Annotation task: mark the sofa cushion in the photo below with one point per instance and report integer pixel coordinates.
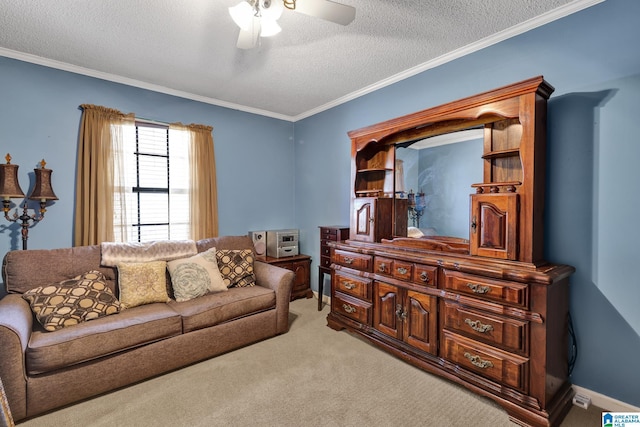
(113, 253)
(196, 276)
(213, 309)
(48, 351)
(225, 242)
(236, 267)
(53, 266)
(142, 283)
(85, 297)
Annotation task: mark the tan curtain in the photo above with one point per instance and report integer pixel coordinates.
(203, 196)
(99, 174)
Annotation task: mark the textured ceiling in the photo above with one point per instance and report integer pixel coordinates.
(188, 48)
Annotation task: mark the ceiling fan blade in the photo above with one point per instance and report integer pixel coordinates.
(327, 10)
(247, 39)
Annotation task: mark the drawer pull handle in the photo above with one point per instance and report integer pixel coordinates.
(477, 326)
(348, 260)
(424, 276)
(349, 309)
(400, 312)
(478, 289)
(350, 286)
(402, 270)
(382, 267)
(477, 361)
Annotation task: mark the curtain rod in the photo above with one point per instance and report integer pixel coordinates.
(151, 122)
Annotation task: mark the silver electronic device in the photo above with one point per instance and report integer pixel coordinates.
(282, 243)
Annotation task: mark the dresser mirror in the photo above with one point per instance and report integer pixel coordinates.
(433, 182)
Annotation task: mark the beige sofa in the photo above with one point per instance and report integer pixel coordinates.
(44, 370)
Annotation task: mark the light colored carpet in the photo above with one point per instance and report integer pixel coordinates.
(311, 376)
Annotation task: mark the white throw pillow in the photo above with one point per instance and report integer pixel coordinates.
(196, 276)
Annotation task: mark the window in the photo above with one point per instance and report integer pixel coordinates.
(155, 190)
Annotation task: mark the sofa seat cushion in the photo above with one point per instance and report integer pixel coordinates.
(212, 309)
(49, 351)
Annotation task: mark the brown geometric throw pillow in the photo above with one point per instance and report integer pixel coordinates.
(236, 267)
(72, 301)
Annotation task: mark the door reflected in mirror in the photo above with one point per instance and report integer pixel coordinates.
(434, 175)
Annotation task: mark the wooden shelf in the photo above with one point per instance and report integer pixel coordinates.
(374, 192)
(501, 153)
(375, 170)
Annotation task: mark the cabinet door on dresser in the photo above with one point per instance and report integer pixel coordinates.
(370, 219)
(406, 315)
(494, 225)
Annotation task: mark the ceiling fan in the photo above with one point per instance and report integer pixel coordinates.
(258, 18)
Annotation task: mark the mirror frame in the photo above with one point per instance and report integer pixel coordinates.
(525, 102)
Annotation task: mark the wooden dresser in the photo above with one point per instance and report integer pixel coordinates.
(328, 233)
(301, 266)
(484, 310)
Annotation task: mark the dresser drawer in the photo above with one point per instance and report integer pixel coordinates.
(328, 233)
(501, 291)
(325, 261)
(355, 286)
(492, 363)
(382, 265)
(325, 250)
(355, 309)
(402, 270)
(352, 260)
(510, 334)
(425, 275)
(392, 267)
(334, 233)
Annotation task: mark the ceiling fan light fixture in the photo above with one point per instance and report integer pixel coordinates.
(271, 9)
(269, 27)
(242, 14)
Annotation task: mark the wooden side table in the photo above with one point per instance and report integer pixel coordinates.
(301, 266)
(328, 233)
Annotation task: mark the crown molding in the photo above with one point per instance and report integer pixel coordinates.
(543, 19)
(51, 63)
(536, 22)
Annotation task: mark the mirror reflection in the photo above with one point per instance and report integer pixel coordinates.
(433, 183)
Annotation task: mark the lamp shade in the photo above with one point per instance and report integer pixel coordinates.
(9, 186)
(269, 27)
(43, 190)
(271, 9)
(242, 14)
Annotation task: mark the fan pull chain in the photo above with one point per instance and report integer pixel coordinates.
(290, 4)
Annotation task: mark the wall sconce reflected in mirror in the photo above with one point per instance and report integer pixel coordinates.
(10, 189)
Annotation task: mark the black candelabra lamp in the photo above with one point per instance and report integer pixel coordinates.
(417, 204)
(10, 188)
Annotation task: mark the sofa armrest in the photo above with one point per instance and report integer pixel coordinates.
(281, 281)
(16, 323)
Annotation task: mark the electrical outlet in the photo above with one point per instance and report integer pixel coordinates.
(582, 401)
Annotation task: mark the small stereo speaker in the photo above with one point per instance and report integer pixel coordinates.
(259, 239)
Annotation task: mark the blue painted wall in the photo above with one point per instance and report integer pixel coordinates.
(40, 118)
(275, 174)
(592, 59)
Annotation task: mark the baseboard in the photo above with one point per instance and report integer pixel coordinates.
(597, 399)
(605, 402)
